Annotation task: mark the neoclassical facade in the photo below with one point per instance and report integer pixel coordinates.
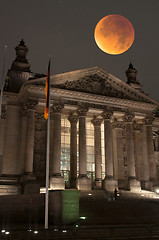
(104, 133)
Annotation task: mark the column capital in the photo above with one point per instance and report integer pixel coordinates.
(39, 115)
(3, 112)
(107, 114)
(117, 124)
(137, 126)
(73, 118)
(148, 120)
(24, 112)
(30, 105)
(82, 111)
(96, 121)
(57, 108)
(51, 115)
(128, 117)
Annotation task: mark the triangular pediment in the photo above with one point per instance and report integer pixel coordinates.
(92, 84)
(95, 81)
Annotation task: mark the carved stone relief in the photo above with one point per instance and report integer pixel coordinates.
(148, 121)
(31, 104)
(82, 111)
(107, 114)
(3, 112)
(98, 85)
(73, 119)
(96, 121)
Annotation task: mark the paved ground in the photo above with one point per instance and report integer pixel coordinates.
(129, 208)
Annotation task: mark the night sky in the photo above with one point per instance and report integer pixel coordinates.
(65, 29)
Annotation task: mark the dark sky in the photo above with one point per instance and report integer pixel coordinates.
(65, 29)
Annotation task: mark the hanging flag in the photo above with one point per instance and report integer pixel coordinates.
(47, 92)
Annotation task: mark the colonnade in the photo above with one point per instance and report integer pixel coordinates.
(147, 178)
(136, 177)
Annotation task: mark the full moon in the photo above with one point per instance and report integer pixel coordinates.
(114, 34)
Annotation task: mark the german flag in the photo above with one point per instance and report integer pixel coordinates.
(47, 92)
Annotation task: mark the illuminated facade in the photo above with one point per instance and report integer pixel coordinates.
(103, 131)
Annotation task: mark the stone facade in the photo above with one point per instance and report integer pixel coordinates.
(124, 142)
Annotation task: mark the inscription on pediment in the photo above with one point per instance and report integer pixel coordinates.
(96, 85)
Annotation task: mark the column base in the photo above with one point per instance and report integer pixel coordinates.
(27, 177)
(57, 182)
(73, 183)
(29, 184)
(145, 185)
(134, 185)
(83, 183)
(123, 184)
(9, 185)
(149, 185)
(110, 184)
(97, 184)
(153, 185)
(156, 189)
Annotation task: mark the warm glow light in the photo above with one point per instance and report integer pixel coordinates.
(157, 191)
(83, 218)
(55, 229)
(114, 34)
(43, 190)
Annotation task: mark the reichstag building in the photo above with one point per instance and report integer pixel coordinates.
(104, 132)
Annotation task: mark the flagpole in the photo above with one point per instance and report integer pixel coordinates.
(47, 170)
(3, 80)
(47, 157)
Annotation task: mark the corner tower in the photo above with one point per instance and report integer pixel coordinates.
(131, 73)
(20, 70)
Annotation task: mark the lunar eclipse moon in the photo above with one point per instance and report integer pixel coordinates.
(114, 34)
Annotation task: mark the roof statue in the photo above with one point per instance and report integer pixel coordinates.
(131, 73)
(20, 70)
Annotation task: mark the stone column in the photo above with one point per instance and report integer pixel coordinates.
(138, 149)
(141, 157)
(133, 183)
(73, 151)
(97, 152)
(56, 181)
(29, 149)
(23, 140)
(2, 134)
(83, 182)
(10, 165)
(118, 153)
(28, 180)
(10, 170)
(150, 151)
(109, 183)
(51, 140)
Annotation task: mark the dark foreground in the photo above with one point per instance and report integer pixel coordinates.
(90, 232)
(80, 215)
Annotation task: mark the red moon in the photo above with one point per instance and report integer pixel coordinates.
(114, 34)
